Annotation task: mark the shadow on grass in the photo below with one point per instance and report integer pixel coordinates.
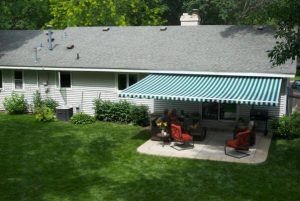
(142, 135)
(59, 161)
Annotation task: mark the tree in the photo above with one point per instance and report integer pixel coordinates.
(286, 14)
(108, 13)
(228, 11)
(174, 9)
(23, 14)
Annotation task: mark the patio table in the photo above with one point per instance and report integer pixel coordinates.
(164, 138)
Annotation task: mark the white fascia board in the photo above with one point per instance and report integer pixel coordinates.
(151, 71)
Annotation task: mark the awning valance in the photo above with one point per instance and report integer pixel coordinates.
(223, 89)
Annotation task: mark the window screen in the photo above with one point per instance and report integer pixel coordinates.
(210, 111)
(65, 79)
(122, 81)
(18, 76)
(133, 78)
(228, 111)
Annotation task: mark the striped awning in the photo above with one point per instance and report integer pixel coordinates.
(223, 89)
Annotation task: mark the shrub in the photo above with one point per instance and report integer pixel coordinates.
(281, 127)
(123, 112)
(44, 114)
(51, 103)
(295, 123)
(287, 126)
(15, 104)
(82, 118)
(103, 109)
(37, 101)
(139, 115)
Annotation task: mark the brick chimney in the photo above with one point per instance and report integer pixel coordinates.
(192, 19)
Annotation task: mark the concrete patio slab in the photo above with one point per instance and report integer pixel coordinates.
(211, 148)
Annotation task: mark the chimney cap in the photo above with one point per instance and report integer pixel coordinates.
(190, 19)
(195, 11)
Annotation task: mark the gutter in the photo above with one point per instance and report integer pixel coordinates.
(152, 71)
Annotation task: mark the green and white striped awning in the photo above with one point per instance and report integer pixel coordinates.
(223, 89)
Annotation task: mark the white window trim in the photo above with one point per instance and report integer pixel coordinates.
(127, 80)
(37, 80)
(57, 81)
(2, 83)
(23, 80)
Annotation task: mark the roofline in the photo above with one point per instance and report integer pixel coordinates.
(151, 71)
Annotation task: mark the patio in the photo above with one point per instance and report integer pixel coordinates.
(211, 148)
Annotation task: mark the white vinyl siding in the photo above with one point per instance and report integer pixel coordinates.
(29, 85)
(87, 86)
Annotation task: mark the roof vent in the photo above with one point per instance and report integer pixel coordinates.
(50, 39)
(35, 55)
(77, 57)
(69, 47)
(163, 28)
(65, 34)
(48, 33)
(105, 29)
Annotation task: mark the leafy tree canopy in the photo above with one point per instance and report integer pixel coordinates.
(229, 11)
(23, 14)
(110, 12)
(286, 14)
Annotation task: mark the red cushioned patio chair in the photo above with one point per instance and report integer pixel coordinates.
(240, 144)
(180, 138)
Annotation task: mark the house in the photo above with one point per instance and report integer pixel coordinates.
(219, 71)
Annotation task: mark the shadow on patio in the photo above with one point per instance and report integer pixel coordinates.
(211, 148)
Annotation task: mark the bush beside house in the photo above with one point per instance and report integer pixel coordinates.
(287, 126)
(44, 110)
(82, 118)
(44, 114)
(15, 104)
(123, 112)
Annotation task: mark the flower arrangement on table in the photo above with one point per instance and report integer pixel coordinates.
(163, 126)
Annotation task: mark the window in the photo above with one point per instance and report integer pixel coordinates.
(1, 85)
(18, 79)
(64, 79)
(126, 80)
(217, 111)
(228, 111)
(122, 81)
(210, 111)
(133, 78)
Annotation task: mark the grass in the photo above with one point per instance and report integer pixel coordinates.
(61, 161)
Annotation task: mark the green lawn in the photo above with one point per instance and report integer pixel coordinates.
(60, 161)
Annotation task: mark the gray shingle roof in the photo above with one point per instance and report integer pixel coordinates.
(206, 48)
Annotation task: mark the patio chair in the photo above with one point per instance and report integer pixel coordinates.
(179, 137)
(240, 145)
